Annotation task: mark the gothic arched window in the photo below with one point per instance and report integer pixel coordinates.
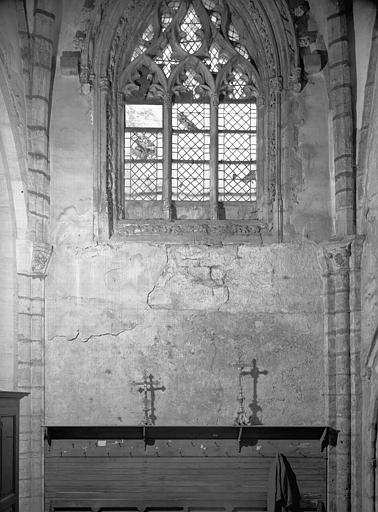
(188, 96)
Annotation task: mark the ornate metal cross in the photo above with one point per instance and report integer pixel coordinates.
(148, 386)
(241, 417)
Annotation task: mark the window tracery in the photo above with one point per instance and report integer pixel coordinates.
(191, 66)
(133, 46)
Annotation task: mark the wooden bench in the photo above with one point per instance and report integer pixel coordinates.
(190, 469)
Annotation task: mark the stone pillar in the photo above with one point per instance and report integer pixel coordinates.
(341, 263)
(340, 91)
(31, 328)
(275, 88)
(355, 371)
(33, 262)
(101, 221)
(38, 121)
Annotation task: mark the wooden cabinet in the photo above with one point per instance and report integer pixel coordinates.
(9, 429)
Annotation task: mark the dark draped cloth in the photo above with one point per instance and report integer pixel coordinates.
(283, 492)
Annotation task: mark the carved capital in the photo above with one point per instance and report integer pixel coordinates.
(335, 257)
(40, 258)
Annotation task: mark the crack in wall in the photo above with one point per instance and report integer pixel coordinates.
(203, 274)
(76, 337)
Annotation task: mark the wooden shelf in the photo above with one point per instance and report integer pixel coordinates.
(245, 435)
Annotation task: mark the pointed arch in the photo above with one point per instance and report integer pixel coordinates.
(260, 30)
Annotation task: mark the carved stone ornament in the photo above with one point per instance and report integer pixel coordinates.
(40, 258)
(104, 83)
(295, 80)
(208, 228)
(265, 36)
(335, 257)
(275, 84)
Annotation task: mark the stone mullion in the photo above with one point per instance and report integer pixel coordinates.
(214, 210)
(343, 123)
(167, 157)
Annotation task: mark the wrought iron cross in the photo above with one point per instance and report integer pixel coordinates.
(148, 386)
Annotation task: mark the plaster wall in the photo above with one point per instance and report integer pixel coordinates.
(12, 203)
(364, 12)
(186, 313)
(306, 175)
(369, 301)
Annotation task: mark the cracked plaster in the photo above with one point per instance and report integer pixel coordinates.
(115, 310)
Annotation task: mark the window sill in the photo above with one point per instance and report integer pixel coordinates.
(228, 231)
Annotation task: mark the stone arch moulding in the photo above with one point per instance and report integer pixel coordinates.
(267, 31)
(17, 172)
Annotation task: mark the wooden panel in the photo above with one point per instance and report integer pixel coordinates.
(209, 479)
(9, 414)
(8, 477)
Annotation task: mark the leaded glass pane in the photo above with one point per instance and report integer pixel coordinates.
(143, 181)
(237, 152)
(190, 151)
(143, 152)
(191, 116)
(166, 60)
(242, 50)
(142, 45)
(232, 33)
(237, 116)
(191, 32)
(143, 116)
(237, 181)
(217, 58)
